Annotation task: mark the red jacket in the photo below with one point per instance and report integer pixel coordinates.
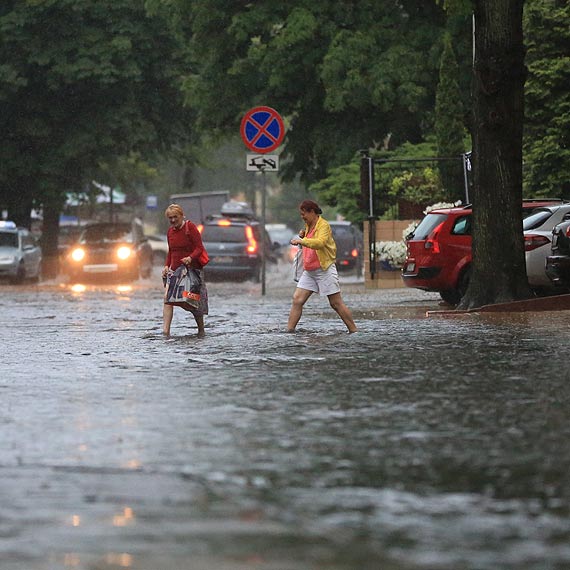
(184, 242)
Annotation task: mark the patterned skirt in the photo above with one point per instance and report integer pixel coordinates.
(202, 308)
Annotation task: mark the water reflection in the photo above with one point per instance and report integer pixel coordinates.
(417, 444)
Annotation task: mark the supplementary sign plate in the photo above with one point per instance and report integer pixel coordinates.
(262, 162)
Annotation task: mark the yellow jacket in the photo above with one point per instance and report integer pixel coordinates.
(322, 242)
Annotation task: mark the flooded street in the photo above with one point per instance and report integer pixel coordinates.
(438, 443)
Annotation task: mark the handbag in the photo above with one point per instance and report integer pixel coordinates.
(298, 267)
(184, 288)
(204, 257)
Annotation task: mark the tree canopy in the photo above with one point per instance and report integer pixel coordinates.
(345, 74)
(82, 83)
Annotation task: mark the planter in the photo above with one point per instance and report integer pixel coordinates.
(384, 265)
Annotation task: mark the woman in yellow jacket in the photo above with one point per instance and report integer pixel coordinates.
(320, 274)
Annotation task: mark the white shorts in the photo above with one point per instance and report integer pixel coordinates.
(323, 282)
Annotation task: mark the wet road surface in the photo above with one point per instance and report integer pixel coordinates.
(438, 443)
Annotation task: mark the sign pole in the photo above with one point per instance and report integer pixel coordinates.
(262, 131)
(262, 237)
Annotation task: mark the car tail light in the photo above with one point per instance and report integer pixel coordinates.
(533, 241)
(224, 223)
(251, 241)
(567, 231)
(354, 252)
(432, 240)
(200, 227)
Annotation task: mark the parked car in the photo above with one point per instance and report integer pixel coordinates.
(558, 262)
(439, 249)
(280, 235)
(232, 241)
(20, 253)
(349, 246)
(538, 242)
(111, 250)
(159, 245)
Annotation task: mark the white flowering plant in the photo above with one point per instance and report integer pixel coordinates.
(392, 252)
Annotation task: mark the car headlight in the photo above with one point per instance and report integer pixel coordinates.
(78, 254)
(124, 252)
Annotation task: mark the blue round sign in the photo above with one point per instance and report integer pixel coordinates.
(262, 129)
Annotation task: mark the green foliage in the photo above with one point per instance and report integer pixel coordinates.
(423, 187)
(547, 125)
(341, 188)
(83, 83)
(449, 126)
(345, 74)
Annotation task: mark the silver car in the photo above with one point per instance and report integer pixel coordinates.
(20, 253)
(537, 241)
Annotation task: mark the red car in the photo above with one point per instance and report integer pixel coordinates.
(438, 254)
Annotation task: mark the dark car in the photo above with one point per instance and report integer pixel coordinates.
(558, 263)
(233, 242)
(349, 246)
(111, 250)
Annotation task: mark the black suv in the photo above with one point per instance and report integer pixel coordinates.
(233, 242)
(558, 263)
(349, 246)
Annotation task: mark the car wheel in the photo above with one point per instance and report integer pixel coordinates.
(256, 275)
(453, 296)
(20, 275)
(158, 258)
(146, 270)
(450, 296)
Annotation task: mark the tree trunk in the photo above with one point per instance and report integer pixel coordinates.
(50, 237)
(499, 270)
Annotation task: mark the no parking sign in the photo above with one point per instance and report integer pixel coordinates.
(262, 129)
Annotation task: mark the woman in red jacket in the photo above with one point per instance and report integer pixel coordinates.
(184, 248)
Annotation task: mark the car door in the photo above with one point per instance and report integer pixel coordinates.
(31, 254)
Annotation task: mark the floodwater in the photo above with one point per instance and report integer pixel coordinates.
(438, 443)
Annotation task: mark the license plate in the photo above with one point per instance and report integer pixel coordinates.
(223, 259)
(410, 267)
(102, 268)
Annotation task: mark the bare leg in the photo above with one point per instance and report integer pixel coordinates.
(200, 323)
(343, 311)
(300, 297)
(167, 312)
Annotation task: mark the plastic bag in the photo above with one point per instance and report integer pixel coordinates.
(298, 267)
(184, 288)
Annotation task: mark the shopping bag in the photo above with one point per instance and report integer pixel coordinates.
(298, 265)
(184, 288)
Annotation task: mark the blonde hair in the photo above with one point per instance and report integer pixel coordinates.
(175, 209)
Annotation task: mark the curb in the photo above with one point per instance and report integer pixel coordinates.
(554, 303)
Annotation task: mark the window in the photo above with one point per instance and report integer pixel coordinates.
(462, 226)
(427, 225)
(8, 239)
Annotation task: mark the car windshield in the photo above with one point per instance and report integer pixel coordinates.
(8, 239)
(225, 234)
(536, 219)
(427, 225)
(281, 235)
(341, 231)
(106, 233)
